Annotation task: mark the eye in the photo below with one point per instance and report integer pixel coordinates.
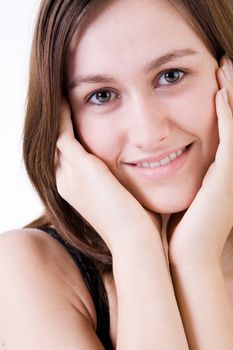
(171, 76)
(102, 97)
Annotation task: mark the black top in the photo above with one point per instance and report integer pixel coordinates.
(94, 285)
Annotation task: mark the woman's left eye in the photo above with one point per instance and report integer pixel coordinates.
(171, 76)
(102, 97)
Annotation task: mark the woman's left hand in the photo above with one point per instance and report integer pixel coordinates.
(199, 234)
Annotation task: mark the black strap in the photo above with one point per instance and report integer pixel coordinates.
(94, 284)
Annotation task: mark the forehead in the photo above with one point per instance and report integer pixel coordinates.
(125, 32)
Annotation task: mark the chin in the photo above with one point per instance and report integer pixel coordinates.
(169, 204)
(170, 208)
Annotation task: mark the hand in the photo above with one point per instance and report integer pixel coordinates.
(87, 184)
(199, 233)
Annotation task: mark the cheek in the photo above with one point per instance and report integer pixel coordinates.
(100, 137)
(195, 111)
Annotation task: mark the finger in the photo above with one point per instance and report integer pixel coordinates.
(222, 60)
(66, 142)
(65, 123)
(225, 126)
(224, 111)
(225, 78)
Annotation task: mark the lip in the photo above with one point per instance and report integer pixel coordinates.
(163, 172)
(158, 158)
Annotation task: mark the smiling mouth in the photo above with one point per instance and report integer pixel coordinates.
(169, 159)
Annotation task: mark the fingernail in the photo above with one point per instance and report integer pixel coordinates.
(224, 95)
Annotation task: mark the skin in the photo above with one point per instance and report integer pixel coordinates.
(185, 306)
(152, 119)
(194, 249)
(145, 116)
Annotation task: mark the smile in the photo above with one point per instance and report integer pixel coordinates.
(163, 161)
(162, 168)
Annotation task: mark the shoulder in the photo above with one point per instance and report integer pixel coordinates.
(33, 262)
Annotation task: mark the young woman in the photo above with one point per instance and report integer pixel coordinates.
(128, 141)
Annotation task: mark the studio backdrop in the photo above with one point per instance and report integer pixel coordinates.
(19, 203)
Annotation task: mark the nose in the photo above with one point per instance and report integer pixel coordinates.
(148, 124)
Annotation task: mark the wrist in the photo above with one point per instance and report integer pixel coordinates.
(141, 236)
(194, 254)
(138, 243)
(196, 277)
(148, 240)
(198, 262)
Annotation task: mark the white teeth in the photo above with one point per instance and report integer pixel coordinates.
(173, 156)
(163, 161)
(146, 165)
(179, 153)
(154, 165)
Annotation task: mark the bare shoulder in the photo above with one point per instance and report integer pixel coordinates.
(39, 280)
(36, 252)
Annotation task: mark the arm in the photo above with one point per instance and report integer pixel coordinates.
(147, 311)
(205, 306)
(148, 316)
(196, 246)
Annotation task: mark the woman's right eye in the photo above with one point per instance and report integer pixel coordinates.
(102, 97)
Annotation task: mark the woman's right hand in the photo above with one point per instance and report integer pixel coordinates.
(87, 184)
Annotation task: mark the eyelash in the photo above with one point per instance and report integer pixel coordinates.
(111, 92)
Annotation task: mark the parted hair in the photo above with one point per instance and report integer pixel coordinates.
(56, 23)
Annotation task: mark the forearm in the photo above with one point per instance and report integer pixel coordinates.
(205, 306)
(148, 316)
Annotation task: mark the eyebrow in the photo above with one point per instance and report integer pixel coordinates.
(155, 64)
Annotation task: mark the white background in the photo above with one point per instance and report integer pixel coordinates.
(19, 203)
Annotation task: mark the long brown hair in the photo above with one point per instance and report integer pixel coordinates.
(56, 24)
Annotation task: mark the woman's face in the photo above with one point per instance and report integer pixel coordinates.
(141, 88)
